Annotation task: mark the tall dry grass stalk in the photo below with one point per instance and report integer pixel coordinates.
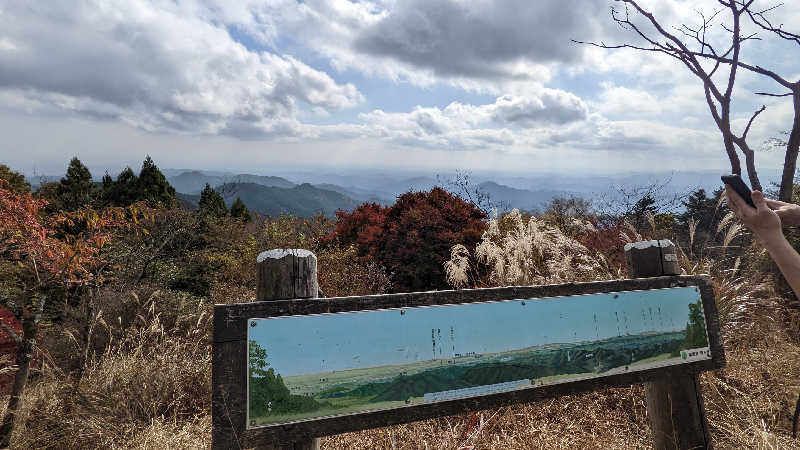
(151, 388)
(651, 219)
(630, 234)
(526, 252)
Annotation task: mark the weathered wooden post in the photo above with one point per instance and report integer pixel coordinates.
(674, 403)
(286, 274)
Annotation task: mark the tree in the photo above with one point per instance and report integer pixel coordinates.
(153, 186)
(150, 186)
(412, 239)
(239, 210)
(691, 46)
(562, 210)
(361, 227)
(51, 258)
(123, 191)
(16, 181)
(418, 233)
(644, 208)
(211, 203)
(75, 189)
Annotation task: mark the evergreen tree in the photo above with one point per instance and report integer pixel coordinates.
(703, 209)
(638, 214)
(121, 192)
(153, 186)
(16, 180)
(75, 190)
(706, 214)
(212, 203)
(239, 210)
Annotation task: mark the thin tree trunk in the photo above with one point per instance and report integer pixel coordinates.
(30, 327)
(790, 162)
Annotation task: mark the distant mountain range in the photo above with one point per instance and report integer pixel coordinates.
(193, 182)
(274, 195)
(506, 197)
(306, 193)
(303, 200)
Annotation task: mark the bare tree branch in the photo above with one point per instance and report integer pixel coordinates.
(761, 20)
(676, 44)
(747, 128)
(788, 94)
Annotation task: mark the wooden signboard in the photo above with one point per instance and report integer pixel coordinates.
(286, 370)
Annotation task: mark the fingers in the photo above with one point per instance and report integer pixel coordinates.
(775, 204)
(734, 201)
(758, 200)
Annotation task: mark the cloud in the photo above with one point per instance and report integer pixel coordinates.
(551, 106)
(460, 126)
(618, 101)
(478, 39)
(158, 66)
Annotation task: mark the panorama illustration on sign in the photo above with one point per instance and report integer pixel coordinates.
(307, 367)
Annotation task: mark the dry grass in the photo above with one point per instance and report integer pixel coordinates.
(156, 394)
(520, 251)
(151, 387)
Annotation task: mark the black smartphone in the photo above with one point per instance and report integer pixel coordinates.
(735, 181)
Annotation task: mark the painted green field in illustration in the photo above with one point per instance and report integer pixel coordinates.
(303, 367)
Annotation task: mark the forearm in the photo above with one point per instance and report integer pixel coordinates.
(787, 259)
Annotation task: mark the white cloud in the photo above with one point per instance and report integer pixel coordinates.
(624, 102)
(155, 65)
(465, 127)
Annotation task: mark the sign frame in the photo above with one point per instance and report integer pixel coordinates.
(230, 350)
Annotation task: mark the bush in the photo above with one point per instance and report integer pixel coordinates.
(412, 239)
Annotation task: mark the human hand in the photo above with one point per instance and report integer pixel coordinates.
(761, 220)
(789, 213)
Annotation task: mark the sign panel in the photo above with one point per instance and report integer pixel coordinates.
(285, 370)
(306, 367)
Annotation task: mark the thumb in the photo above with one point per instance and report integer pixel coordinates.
(759, 200)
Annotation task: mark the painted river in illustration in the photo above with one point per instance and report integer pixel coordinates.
(304, 367)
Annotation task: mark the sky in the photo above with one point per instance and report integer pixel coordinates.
(374, 338)
(257, 85)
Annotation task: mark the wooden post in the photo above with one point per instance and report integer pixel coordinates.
(674, 404)
(286, 274)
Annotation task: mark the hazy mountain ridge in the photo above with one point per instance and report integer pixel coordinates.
(505, 191)
(506, 197)
(193, 182)
(302, 200)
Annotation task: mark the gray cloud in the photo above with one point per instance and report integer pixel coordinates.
(155, 66)
(475, 38)
(551, 106)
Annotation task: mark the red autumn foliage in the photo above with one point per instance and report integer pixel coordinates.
(59, 249)
(361, 227)
(412, 239)
(8, 347)
(607, 240)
